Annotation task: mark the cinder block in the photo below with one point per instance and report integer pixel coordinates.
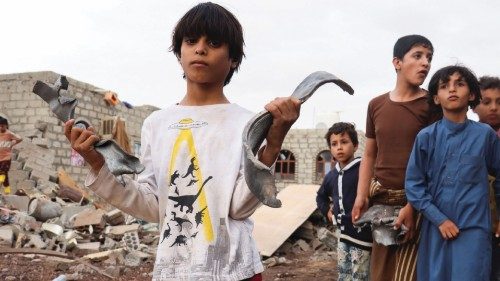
(17, 176)
(41, 142)
(39, 175)
(90, 217)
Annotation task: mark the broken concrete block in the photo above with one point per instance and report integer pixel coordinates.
(104, 255)
(328, 238)
(6, 236)
(52, 230)
(17, 202)
(69, 214)
(91, 247)
(39, 175)
(88, 217)
(120, 230)
(26, 185)
(115, 217)
(131, 240)
(35, 241)
(28, 222)
(43, 209)
(302, 245)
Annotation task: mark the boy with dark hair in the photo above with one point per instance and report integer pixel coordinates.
(7, 141)
(447, 181)
(193, 182)
(488, 111)
(353, 252)
(393, 121)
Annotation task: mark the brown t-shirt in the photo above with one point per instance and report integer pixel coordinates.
(394, 126)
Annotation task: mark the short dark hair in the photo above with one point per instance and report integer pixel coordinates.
(215, 22)
(404, 44)
(340, 128)
(489, 82)
(4, 121)
(444, 74)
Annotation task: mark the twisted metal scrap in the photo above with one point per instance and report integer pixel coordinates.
(258, 176)
(118, 161)
(381, 218)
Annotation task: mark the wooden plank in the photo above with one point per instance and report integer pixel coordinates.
(32, 251)
(273, 226)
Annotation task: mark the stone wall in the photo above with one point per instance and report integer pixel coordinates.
(306, 144)
(26, 111)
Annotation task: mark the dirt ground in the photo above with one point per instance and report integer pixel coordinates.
(15, 267)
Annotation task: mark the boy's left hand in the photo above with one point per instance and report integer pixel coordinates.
(406, 217)
(285, 112)
(497, 232)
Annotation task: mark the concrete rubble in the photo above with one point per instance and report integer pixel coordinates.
(49, 215)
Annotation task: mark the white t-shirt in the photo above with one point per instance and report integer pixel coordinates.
(193, 185)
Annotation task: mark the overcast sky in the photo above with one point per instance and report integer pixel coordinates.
(122, 46)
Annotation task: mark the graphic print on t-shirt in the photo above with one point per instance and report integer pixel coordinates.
(189, 213)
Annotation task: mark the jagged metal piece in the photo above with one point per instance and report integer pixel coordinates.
(62, 106)
(118, 161)
(381, 219)
(258, 176)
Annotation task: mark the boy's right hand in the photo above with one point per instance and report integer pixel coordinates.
(448, 230)
(82, 141)
(360, 206)
(329, 215)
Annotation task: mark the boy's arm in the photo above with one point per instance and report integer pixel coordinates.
(285, 112)
(365, 176)
(16, 139)
(493, 162)
(322, 197)
(416, 185)
(137, 198)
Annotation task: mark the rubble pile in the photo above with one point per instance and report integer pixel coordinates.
(49, 214)
(314, 236)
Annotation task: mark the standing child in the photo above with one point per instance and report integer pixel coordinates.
(7, 141)
(340, 184)
(193, 182)
(393, 120)
(447, 180)
(488, 111)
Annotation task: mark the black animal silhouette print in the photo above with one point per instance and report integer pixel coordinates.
(188, 200)
(192, 167)
(166, 233)
(198, 218)
(179, 240)
(179, 221)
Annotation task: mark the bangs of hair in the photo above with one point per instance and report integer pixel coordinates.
(406, 43)
(214, 22)
(443, 76)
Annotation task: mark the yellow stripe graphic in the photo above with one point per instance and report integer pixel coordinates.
(185, 135)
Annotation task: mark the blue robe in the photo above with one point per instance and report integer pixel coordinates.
(447, 178)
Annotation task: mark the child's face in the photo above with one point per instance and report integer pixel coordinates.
(489, 108)
(3, 128)
(342, 148)
(205, 61)
(415, 65)
(454, 96)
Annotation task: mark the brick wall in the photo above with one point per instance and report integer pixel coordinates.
(306, 144)
(25, 110)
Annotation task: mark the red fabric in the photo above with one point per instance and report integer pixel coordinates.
(256, 277)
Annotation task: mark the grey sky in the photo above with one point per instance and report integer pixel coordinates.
(123, 46)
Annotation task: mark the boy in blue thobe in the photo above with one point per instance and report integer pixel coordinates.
(447, 180)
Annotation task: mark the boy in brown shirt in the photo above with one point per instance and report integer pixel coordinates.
(393, 121)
